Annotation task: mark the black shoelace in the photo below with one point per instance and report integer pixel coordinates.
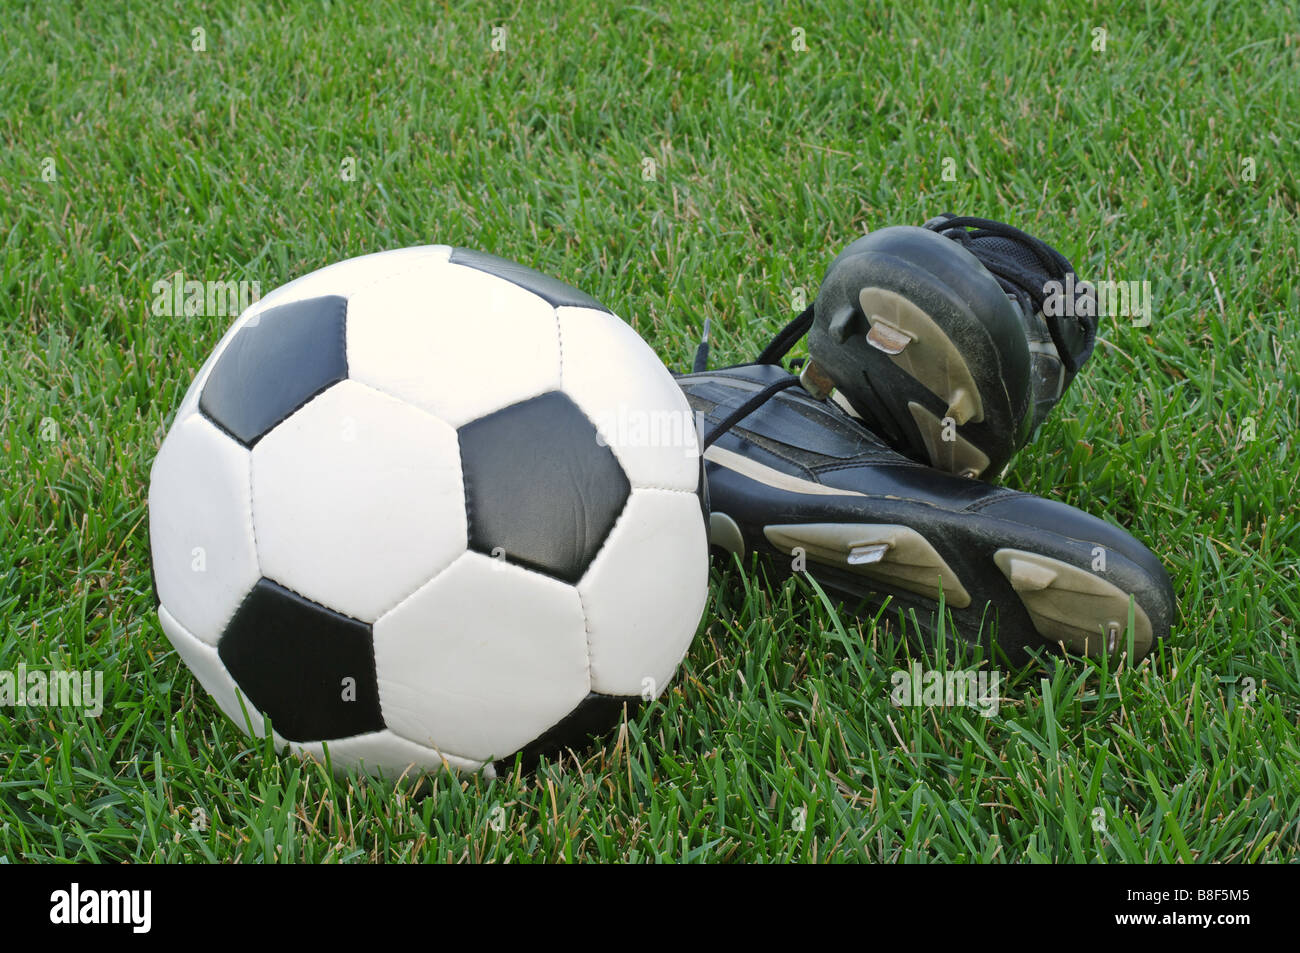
(755, 400)
(1010, 266)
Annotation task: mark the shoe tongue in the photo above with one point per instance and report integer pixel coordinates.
(1006, 248)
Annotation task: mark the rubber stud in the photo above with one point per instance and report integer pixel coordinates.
(815, 381)
(961, 406)
(1029, 577)
(866, 555)
(841, 324)
(725, 533)
(1113, 632)
(887, 338)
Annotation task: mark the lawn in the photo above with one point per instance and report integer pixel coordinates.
(704, 161)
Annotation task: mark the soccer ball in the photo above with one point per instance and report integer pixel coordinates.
(430, 508)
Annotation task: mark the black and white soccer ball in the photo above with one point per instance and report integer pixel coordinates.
(430, 508)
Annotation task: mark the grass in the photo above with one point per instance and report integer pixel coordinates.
(777, 739)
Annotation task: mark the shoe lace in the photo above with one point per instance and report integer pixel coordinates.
(1011, 261)
(1023, 266)
(753, 402)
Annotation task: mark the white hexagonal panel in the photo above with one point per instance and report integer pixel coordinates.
(481, 660)
(458, 342)
(645, 592)
(630, 396)
(357, 500)
(343, 278)
(201, 526)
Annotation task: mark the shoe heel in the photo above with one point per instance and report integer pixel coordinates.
(1072, 606)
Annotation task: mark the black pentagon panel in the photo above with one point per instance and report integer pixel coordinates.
(596, 716)
(292, 659)
(540, 489)
(275, 365)
(549, 289)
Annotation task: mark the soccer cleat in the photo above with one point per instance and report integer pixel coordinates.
(798, 479)
(953, 341)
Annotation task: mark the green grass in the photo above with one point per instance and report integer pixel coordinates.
(777, 740)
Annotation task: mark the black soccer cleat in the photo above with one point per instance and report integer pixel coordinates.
(789, 474)
(952, 341)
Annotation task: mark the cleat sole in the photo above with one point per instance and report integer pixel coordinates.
(920, 348)
(889, 554)
(957, 455)
(1066, 604)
